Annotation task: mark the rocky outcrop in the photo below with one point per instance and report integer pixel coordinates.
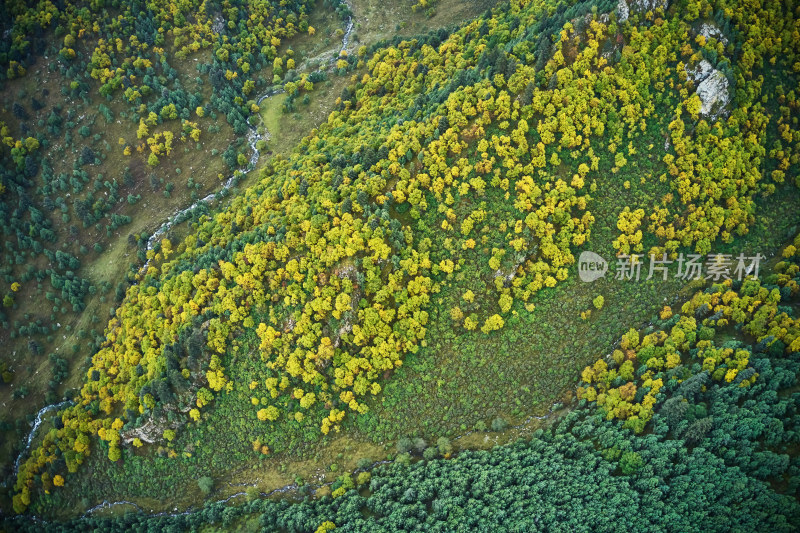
(709, 30)
(622, 11)
(218, 26)
(712, 88)
(714, 94)
(148, 432)
(625, 7)
(700, 71)
(642, 6)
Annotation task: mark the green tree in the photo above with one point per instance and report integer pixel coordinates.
(206, 485)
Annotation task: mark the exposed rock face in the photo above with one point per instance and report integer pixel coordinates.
(712, 85)
(714, 94)
(709, 30)
(700, 71)
(219, 24)
(622, 11)
(148, 432)
(712, 88)
(624, 7)
(643, 6)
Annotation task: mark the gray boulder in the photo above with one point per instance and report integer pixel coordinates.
(714, 94)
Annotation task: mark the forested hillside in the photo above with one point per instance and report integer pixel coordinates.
(108, 108)
(408, 272)
(106, 113)
(717, 452)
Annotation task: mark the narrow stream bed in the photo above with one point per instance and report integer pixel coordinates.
(253, 137)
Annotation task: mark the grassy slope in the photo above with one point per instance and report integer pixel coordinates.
(112, 264)
(374, 22)
(459, 379)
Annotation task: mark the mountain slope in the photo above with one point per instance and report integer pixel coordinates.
(457, 168)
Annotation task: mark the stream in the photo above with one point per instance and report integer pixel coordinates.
(179, 216)
(252, 138)
(35, 427)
